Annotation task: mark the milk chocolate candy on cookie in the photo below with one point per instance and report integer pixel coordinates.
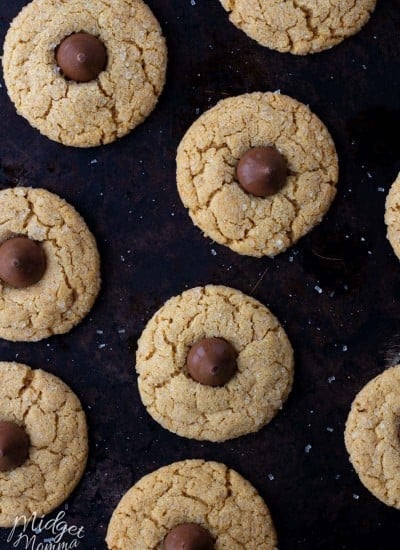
(81, 57)
(49, 265)
(192, 505)
(85, 73)
(188, 536)
(212, 361)
(14, 446)
(43, 443)
(262, 171)
(257, 172)
(204, 328)
(22, 262)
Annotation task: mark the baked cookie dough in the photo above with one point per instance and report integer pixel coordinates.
(373, 439)
(208, 157)
(71, 282)
(206, 493)
(102, 110)
(53, 418)
(299, 26)
(243, 405)
(392, 216)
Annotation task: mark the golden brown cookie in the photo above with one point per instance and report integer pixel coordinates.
(71, 282)
(206, 493)
(95, 112)
(206, 173)
(299, 26)
(392, 216)
(52, 416)
(243, 405)
(373, 439)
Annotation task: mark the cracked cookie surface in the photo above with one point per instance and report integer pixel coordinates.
(207, 493)
(299, 26)
(392, 216)
(206, 172)
(96, 112)
(249, 400)
(55, 422)
(70, 285)
(372, 436)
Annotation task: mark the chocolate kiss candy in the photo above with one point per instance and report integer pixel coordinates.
(81, 57)
(212, 361)
(22, 262)
(14, 446)
(262, 171)
(188, 536)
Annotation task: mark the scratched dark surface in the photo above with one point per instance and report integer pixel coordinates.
(150, 252)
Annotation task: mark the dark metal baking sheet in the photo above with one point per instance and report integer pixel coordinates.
(151, 251)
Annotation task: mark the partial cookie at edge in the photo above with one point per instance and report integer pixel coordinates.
(55, 422)
(372, 436)
(392, 216)
(297, 26)
(68, 290)
(207, 493)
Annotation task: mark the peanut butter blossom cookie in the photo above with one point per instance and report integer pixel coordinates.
(373, 437)
(192, 505)
(49, 265)
(214, 364)
(43, 442)
(257, 172)
(299, 26)
(392, 216)
(85, 73)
